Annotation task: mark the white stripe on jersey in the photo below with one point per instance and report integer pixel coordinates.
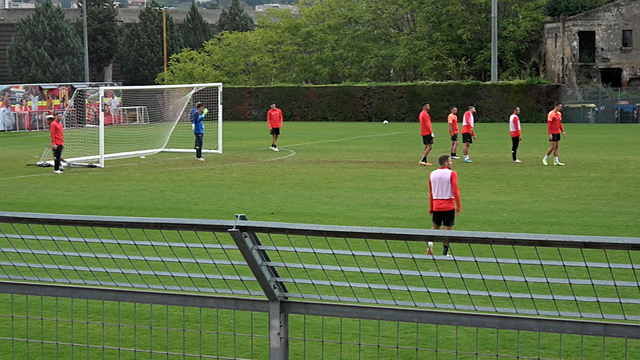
(471, 119)
(441, 184)
(512, 126)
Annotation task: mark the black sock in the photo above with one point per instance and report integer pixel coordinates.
(445, 250)
(453, 154)
(424, 159)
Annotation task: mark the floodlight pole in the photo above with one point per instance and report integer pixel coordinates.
(164, 38)
(494, 40)
(86, 41)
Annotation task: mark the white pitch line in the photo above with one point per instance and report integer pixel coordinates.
(345, 139)
(292, 153)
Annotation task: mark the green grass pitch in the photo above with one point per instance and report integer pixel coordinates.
(362, 174)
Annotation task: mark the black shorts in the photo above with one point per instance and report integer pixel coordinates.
(555, 137)
(427, 139)
(275, 131)
(444, 218)
(467, 138)
(454, 137)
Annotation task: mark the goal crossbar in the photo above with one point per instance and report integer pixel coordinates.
(112, 122)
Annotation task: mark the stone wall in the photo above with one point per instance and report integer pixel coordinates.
(562, 45)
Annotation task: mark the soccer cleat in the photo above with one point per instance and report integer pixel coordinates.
(558, 163)
(544, 162)
(422, 163)
(517, 161)
(57, 172)
(275, 149)
(200, 159)
(468, 160)
(455, 157)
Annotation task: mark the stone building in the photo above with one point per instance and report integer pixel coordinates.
(600, 46)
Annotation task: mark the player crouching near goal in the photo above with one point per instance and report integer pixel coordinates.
(274, 119)
(197, 114)
(444, 198)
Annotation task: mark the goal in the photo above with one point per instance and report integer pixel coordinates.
(115, 122)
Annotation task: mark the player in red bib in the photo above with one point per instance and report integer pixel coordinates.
(444, 198)
(452, 119)
(516, 134)
(274, 119)
(426, 132)
(57, 140)
(554, 124)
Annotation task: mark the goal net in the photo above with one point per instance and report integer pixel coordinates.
(114, 122)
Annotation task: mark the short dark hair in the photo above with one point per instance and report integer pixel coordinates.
(471, 107)
(199, 105)
(452, 107)
(557, 103)
(425, 103)
(515, 107)
(443, 159)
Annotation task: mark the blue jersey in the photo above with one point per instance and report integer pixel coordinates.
(196, 120)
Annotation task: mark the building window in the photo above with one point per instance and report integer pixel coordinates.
(556, 40)
(627, 38)
(587, 46)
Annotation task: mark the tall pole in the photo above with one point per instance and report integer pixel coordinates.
(494, 40)
(164, 37)
(86, 41)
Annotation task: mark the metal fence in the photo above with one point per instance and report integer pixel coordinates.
(86, 287)
(600, 104)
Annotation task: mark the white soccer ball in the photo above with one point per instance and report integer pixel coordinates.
(385, 122)
(142, 157)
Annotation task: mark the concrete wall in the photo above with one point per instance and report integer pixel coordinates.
(608, 22)
(10, 17)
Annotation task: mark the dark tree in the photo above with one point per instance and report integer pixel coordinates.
(141, 53)
(195, 31)
(103, 32)
(45, 48)
(235, 19)
(565, 8)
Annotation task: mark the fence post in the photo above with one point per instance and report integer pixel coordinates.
(274, 290)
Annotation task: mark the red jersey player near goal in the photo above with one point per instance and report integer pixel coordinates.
(554, 124)
(444, 198)
(57, 141)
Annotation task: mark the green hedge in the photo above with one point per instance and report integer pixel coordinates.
(494, 102)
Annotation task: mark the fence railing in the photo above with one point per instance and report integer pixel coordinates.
(87, 286)
(601, 104)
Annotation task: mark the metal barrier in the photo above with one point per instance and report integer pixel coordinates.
(88, 286)
(600, 104)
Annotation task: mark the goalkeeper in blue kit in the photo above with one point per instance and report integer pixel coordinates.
(197, 114)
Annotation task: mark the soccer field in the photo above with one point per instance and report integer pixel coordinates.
(364, 174)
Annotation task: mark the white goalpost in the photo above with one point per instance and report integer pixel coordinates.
(115, 122)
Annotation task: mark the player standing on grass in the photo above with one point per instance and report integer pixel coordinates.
(516, 135)
(274, 119)
(444, 198)
(554, 124)
(467, 132)
(57, 141)
(453, 131)
(197, 114)
(426, 132)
